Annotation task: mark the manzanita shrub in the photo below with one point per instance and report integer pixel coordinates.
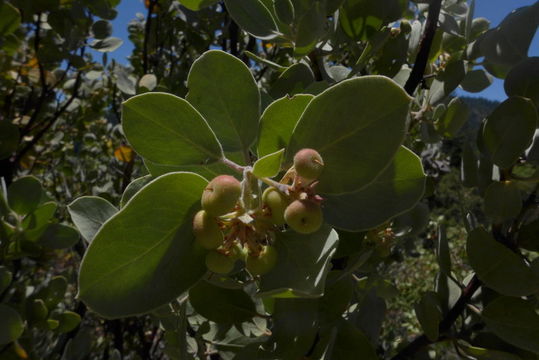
(284, 176)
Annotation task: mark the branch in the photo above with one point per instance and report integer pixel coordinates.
(445, 325)
(416, 76)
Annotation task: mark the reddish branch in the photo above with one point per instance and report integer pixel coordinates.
(416, 76)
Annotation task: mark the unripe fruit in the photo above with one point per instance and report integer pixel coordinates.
(308, 164)
(219, 263)
(304, 216)
(277, 203)
(206, 230)
(263, 263)
(221, 195)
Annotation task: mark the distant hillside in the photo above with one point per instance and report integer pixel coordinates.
(480, 108)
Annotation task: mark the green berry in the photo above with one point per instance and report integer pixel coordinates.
(263, 263)
(277, 203)
(206, 230)
(219, 263)
(308, 164)
(221, 195)
(304, 216)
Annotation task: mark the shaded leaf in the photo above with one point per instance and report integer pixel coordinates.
(253, 17)
(24, 195)
(11, 325)
(89, 213)
(269, 165)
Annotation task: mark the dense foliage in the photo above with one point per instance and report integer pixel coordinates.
(268, 179)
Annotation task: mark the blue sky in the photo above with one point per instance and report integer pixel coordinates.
(494, 10)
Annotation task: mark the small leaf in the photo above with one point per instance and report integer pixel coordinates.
(509, 130)
(498, 267)
(11, 325)
(148, 82)
(5, 278)
(59, 236)
(147, 247)
(353, 119)
(278, 122)
(447, 81)
(224, 306)
(429, 314)
(54, 292)
(168, 130)
(101, 29)
(295, 79)
(443, 255)
(24, 195)
(89, 213)
(302, 264)
(106, 45)
(515, 321)
(253, 17)
(487, 354)
(9, 138)
(469, 169)
(454, 118)
(36, 222)
(476, 81)
(131, 189)
(269, 165)
(10, 19)
(222, 88)
(502, 201)
(67, 321)
(398, 188)
(124, 153)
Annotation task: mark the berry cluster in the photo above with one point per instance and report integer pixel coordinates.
(235, 233)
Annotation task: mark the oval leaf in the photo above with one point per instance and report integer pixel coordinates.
(222, 88)
(24, 195)
(146, 248)
(502, 201)
(168, 130)
(11, 325)
(363, 119)
(253, 17)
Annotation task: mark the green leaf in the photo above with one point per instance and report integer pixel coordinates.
(284, 9)
(443, 256)
(253, 17)
(269, 165)
(363, 119)
(370, 315)
(24, 195)
(398, 189)
(106, 45)
(311, 28)
(508, 43)
(447, 81)
(224, 306)
(469, 168)
(498, 267)
(351, 342)
(502, 201)
(487, 354)
(454, 118)
(9, 139)
(337, 296)
(302, 264)
(429, 314)
(58, 236)
(278, 121)
(102, 29)
(54, 292)
(11, 325)
(133, 188)
(89, 213)
(476, 81)
(222, 88)
(207, 171)
(294, 327)
(295, 79)
(360, 19)
(10, 19)
(147, 247)
(509, 130)
(36, 222)
(196, 5)
(515, 321)
(166, 129)
(5, 278)
(522, 80)
(68, 321)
